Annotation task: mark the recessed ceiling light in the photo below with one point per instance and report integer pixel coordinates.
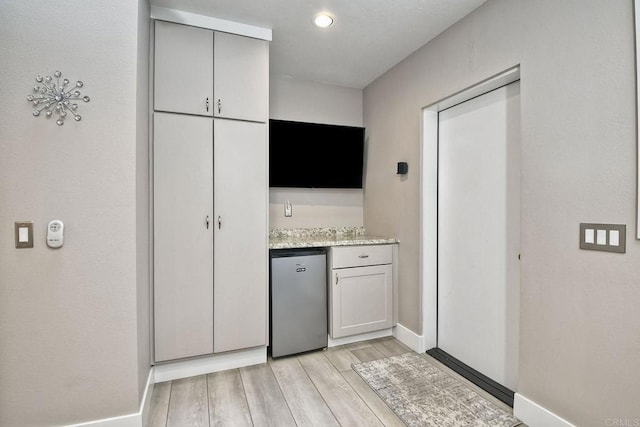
(323, 20)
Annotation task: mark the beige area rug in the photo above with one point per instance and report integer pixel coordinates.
(422, 394)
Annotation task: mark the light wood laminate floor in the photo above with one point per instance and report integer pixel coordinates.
(312, 389)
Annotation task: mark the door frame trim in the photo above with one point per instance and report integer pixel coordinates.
(429, 196)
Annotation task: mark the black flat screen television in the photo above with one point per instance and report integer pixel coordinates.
(312, 155)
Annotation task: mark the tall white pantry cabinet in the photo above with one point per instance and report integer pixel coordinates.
(210, 191)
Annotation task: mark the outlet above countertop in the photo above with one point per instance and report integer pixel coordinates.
(324, 237)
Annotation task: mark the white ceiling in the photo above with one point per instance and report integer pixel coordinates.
(367, 38)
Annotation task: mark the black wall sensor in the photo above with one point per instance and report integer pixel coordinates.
(403, 168)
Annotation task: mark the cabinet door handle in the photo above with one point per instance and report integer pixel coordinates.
(337, 278)
(363, 256)
(207, 104)
(219, 222)
(207, 221)
(219, 106)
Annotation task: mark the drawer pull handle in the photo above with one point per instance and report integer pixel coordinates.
(363, 256)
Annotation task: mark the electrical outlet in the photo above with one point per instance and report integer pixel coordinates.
(288, 209)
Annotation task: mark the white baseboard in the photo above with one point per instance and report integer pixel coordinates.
(206, 365)
(145, 405)
(137, 419)
(334, 342)
(532, 414)
(409, 338)
(133, 420)
(405, 335)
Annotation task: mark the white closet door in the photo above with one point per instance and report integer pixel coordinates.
(479, 233)
(183, 245)
(241, 249)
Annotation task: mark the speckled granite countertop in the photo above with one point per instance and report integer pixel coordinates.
(324, 237)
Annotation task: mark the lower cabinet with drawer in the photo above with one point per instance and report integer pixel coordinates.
(360, 289)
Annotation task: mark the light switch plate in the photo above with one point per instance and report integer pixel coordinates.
(288, 209)
(24, 234)
(608, 237)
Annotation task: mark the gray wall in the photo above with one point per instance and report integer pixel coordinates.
(69, 344)
(303, 101)
(579, 342)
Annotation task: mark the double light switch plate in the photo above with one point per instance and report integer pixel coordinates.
(603, 237)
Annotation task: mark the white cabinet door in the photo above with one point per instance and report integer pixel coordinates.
(183, 244)
(241, 77)
(241, 249)
(361, 300)
(183, 72)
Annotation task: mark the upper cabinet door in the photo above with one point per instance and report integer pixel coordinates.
(183, 73)
(241, 78)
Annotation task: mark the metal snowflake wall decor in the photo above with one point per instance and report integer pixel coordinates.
(56, 97)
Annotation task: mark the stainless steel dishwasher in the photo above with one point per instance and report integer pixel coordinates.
(298, 300)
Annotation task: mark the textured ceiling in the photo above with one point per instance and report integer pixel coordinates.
(367, 38)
